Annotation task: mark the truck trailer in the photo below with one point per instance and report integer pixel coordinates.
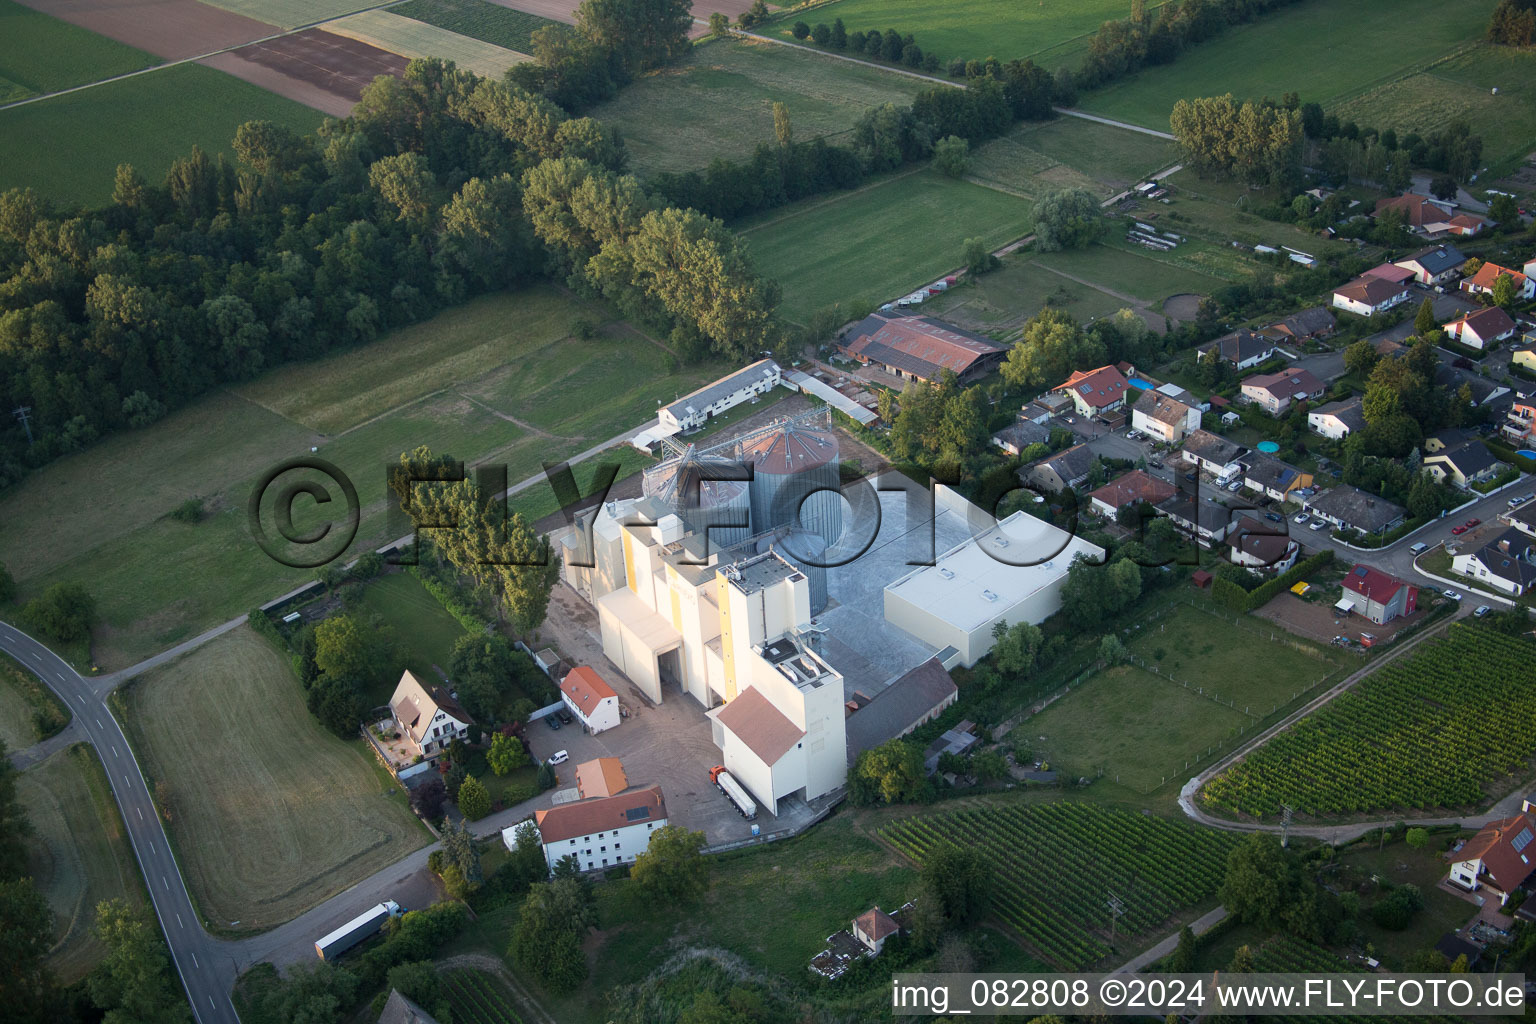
(734, 790)
(356, 930)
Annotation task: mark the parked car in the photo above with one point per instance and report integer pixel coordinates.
(1474, 521)
(1458, 530)
(1302, 518)
(1272, 517)
(1419, 548)
(1318, 524)
(1235, 486)
(559, 757)
(553, 721)
(1482, 610)
(565, 716)
(1516, 502)
(1193, 474)
(1451, 594)
(1155, 464)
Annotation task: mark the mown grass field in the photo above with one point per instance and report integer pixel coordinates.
(79, 853)
(1015, 291)
(423, 628)
(41, 54)
(1460, 88)
(881, 241)
(1127, 271)
(68, 147)
(1048, 31)
(718, 101)
(101, 516)
(478, 19)
(270, 813)
(412, 39)
(1070, 152)
(1314, 49)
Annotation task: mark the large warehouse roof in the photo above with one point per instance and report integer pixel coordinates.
(980, 579)
(919, 345)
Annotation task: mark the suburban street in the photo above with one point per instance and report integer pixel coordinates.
(207, 975)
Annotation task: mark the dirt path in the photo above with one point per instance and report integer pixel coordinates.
(520, 424)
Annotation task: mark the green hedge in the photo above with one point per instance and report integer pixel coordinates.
(449, 597)
(1297, 573)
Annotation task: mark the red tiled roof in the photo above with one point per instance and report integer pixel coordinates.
(1419, 210)
(1372, 291)
(1373, 584)
(1390, 272)
(877, 924)
(1099, 388)
(917, 344)
(588, 817)
(1489, 273)
(585, 688)
(1137, 485)
(1505, 850)
(1288, 383)
(754, 720)
(1486, 323)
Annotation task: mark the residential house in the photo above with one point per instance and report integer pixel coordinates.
(917, 697)
(1434, 265)
(1058, 472)
(1214, 454)
(1205, 519)
(1019, 435)
(1376, 595)
(694, 410)
(429, 717)
(1525, 356)
(920, 347)
(602, 832)
(1462, 466)
(1481, 329)
(1507, 562)
(1391, 273)
(1498, 858)
(1315, 322)
(1366, 296)
(1095, 392)
(1523, 519)
(1520, 419)
(1167, 419)
(1254, 544)
(1337, 420)
(873, 928)
(1132, 488)
(1050, 404)
(600, 777)
(1482, 282)
(1431, 218)
(1269, 476)
(591, 700)
(1242, 348)
(1350, 508)
(1484, 392)
(1276, 392)
(1447, 437)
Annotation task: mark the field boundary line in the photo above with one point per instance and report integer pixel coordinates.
(190, 60)
(834, 197)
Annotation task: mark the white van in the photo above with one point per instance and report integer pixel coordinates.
(559, 757)
(1419, 548)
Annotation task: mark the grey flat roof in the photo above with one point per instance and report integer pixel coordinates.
(709, 394)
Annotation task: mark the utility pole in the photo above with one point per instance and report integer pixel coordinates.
(1285, 826)
(1116, 908)
(20, 412)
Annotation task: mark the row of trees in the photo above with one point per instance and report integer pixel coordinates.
(1053, 344)
(1513, 23)
(1256, 142)
(1383, 155)
(1124, 46)
(612, 41)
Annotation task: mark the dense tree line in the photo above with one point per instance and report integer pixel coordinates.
(1256, 142)
(882, 139)
(1127, 45)
(612, 42)
(1344, 149)
(1513, 23)
(1053, 344)
(305, 245)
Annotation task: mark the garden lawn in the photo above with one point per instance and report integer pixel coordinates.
(1003, 299)
(1129, 725)
(1257, 664)
(68, 147)
(881, 241)
(101, 516)
(79, 853)
(1311, 49)
(1128, 272)
(270, 814)
(1048, 31)
(1461, 88)
(1036, 157)
(718, 102)
(39, 53)
(423, 628)
(478, 19)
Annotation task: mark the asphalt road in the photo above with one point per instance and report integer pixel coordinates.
(206, 974)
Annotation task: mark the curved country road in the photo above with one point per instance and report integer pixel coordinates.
(207, 973)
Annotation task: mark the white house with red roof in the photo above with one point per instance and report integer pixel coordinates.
(1391, 273)
(1481, 328)
(1095, 391)
(1430, 217)
(601, 832)
(428, 716)
(1376, 595)
(1276, 392)
(1366, 295)
(873, 927)
(1499, 858)
(590, 699)
(1482, 282)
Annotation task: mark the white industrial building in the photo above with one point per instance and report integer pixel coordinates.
(694, 410)
(1012, 572)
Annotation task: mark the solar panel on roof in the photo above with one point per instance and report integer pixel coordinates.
(1523, 839)
(1361, 570)
(637, 814)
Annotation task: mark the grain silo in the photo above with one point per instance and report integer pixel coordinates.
(705, 491)
(807, 552)
(794, 467)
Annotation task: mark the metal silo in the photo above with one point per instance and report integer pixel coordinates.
(807, 552)
(704, 491)
(795, 466)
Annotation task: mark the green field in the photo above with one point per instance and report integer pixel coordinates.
(1460, 88)
(293, 13)
(270, 813)
(414, 39)
(1070, 152)
(79, 853)
(29, 711)
(1005, 298)
(423, 627)
(1133, 272)
(498, 380)
(1313, 49)
(68, 147)
(880, 241)
(41, 54)
(478, 19)
(1051, 32)
(718, 101)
